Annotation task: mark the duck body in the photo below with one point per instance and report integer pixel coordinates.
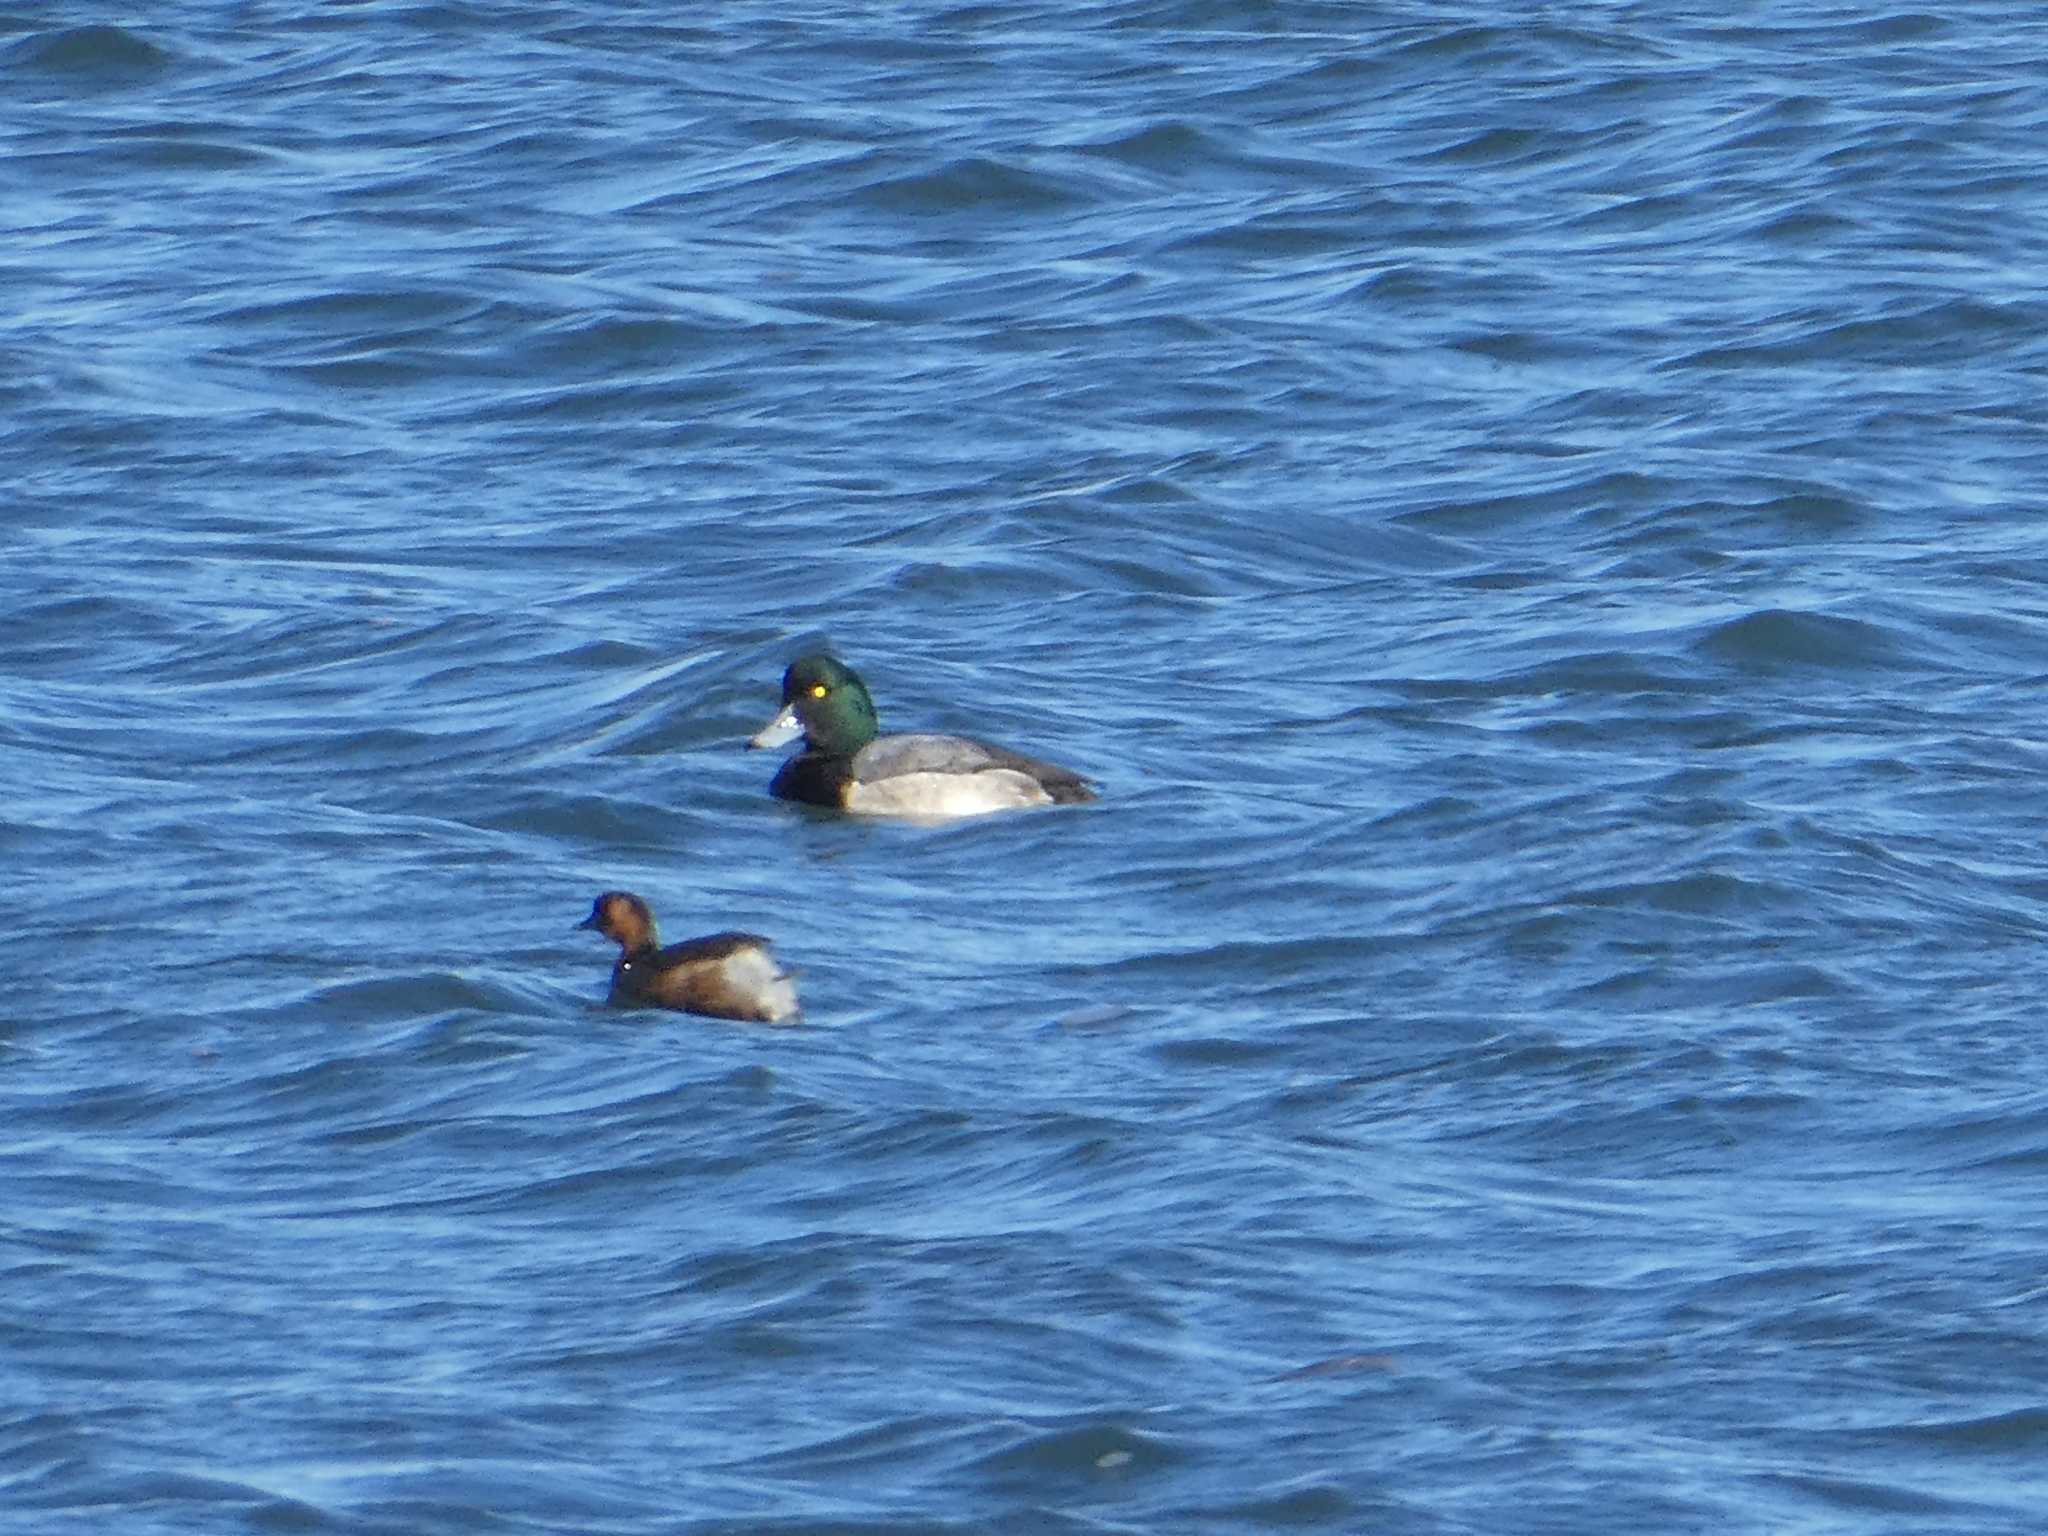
(723, 975)
(926, 775)
(848, 765)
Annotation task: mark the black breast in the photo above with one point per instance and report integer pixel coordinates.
(814, 778)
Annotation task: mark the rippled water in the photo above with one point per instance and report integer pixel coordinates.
(1532, 522)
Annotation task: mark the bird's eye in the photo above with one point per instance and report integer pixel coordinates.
(819, 690)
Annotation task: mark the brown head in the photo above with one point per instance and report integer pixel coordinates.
(624, 918)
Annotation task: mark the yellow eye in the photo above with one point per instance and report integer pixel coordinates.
(819, 690)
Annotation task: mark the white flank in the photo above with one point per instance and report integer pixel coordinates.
(753, 971)
(943, 796)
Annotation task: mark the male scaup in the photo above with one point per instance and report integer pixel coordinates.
(846, 764)
(726, 975)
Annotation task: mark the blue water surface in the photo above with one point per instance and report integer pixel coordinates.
(1532, 518)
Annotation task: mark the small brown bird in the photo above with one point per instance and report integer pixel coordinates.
(725, 975)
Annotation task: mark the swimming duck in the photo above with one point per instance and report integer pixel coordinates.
(847, 764)
(726, 975)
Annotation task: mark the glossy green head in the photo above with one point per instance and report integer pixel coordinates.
(828, 702)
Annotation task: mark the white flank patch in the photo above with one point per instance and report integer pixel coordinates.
(942, 796)
(754, 972)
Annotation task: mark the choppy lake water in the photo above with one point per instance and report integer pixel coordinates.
(1533, 522)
